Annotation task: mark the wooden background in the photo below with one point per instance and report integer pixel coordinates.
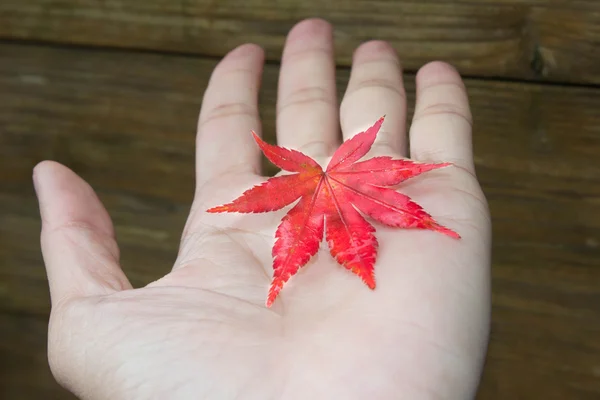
(112, 89)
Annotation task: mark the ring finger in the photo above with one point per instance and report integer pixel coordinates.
(375, 89)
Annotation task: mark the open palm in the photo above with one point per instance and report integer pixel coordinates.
(202, 331)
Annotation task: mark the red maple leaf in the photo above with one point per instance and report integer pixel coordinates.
(330, 201)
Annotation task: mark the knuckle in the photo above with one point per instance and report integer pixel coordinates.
(375, 55)
(308, 54)
(232, 73)
(444, 108)
(84, 235)
(71, 226)
(306, 95)
(376, 47)
(315, 148)
(228, 110)
(383, 146)
(438, 71)
(380, 84)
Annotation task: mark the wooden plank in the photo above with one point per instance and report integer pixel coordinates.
(532, 39)
(126, 123)
(24, 371)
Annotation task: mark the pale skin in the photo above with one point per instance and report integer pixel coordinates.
(203, 331)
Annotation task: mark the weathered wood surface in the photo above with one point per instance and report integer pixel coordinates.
(126, 123)
(532, 39)
(24, 372)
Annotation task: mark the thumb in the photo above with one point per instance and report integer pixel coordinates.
(78, 242)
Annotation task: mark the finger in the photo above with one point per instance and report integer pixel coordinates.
(229, 113)
(306, 101)
(375, 89)
(441, 127)
(78, 243)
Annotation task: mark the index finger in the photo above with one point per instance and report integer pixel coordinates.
(228, 115)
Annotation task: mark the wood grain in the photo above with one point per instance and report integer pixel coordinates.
(126, 123)
(24, 371)
(551, 40)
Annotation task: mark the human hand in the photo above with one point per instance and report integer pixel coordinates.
(202, 331)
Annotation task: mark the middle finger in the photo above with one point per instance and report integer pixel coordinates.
(306, 100)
